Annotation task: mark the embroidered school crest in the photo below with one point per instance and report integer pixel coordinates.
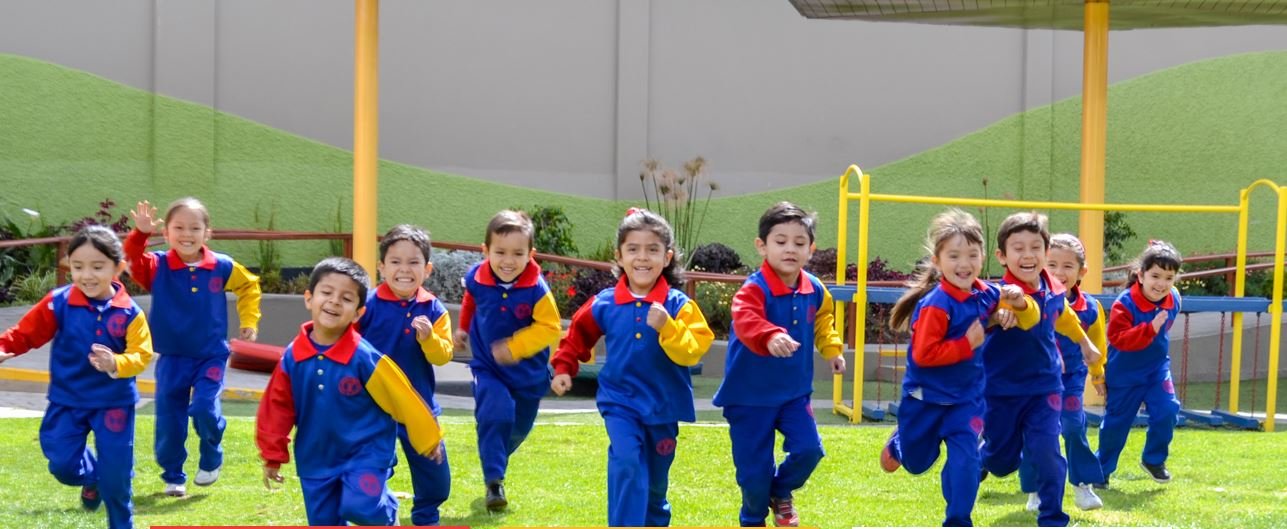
(349, 386)
(522, 311)
(976, 424)
(813, 311)
(216, 284)
(369, 484)
(1072, 403)
(1055, 402)
(116, 325)
(114, 420)
(665, 447)
(214, 373)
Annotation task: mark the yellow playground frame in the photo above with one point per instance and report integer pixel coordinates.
(865, 197)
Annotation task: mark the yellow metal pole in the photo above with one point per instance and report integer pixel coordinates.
(860, 294)
(842, 230)
(366, 131)
(1239, 288)
(1094, 128)
(1276, 312)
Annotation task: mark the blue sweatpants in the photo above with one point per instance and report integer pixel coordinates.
(751, 430)
(63, 434)
(1083, 465)
(1028, 426)
(359, 496)
(503, 416)
(639, 458)
(922, 428)
(1123, 402)
(430, 481)
(188, 387)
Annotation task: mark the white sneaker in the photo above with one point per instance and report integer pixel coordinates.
(1085, 498)
(1034, 502)
(175, 490)
(206, 478)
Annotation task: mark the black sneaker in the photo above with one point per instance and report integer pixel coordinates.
(1157, 472)
(496, 501)
(89, 498)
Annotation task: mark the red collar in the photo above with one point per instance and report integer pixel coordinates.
(623, 295)
(779, 288)
(1078, 299)
(341, 351)
(120, 299)
(526, 278)
(957, 293)
(384, 292)
(1137, 295)
(1052, 284)
(176, 262)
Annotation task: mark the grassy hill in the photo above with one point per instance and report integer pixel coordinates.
(1195, 134)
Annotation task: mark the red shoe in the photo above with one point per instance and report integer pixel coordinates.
(888, 461)
(784, 514)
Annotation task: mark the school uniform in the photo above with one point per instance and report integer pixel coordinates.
(386, 325)
(190, 319)
(506, 398)
(644, 390)
(1139, 372)
(83, 399)
(1083, 465)
(762, 394)
(1024, 396)
(344, 402)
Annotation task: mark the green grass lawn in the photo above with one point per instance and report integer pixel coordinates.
(1223, 479)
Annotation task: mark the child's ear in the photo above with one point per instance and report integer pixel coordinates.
(1000, 256)
(531, 254)
(760, 247)
(428, 270)
(308, 297)
(670, 254)
(120, 269)
(484, 246)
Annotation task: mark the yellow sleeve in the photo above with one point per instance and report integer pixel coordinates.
(825, 337)
(1069, 324)
(1099, 336)
(686, 337)
(246, 286)
(393, 393)
(438, 346)
(545, 330)
(1030, 316)
(138, 348)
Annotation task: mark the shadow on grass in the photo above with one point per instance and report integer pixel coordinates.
(478, 515)
(159, 503)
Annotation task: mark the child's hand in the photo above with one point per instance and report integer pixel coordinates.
(782, 345)
(102, 358)
(975, 334)
(249, 334)
(502, 354)
(1089, 352)
(1100, 389)
(462, 339)
(838, 365)
(145, 217)
(1004, 318)
(5, 356)
(1159, 321)
(1013, 295)
(657, 315)
(424, 329)
(272, 475)
(561, 384)
(436, 454)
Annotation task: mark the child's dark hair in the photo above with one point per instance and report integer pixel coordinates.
(945, 227)
(1023, 221)
(188, 203)
(406, 232)
(510, 221)
(782, 213)
(103, 240)
(1158, 253)
(639, 219)
(343, 266)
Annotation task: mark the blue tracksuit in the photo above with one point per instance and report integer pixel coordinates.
(83, 399)
(761, 393)
(1024, 396)
(1139, 371)
(344, 402)
(506, 398)
(190, 316)
(386, 325)
(942, 398)
(644, 390)
(1083, 465)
